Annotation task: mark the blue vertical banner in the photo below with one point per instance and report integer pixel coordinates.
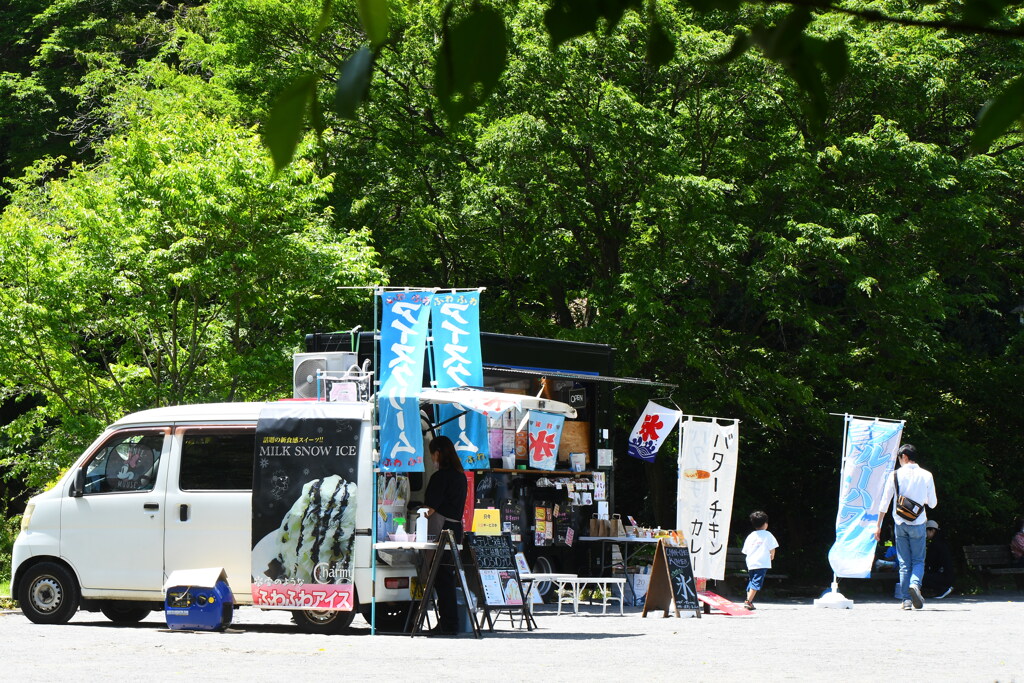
(403, 343)
(455, 328)
(545, 433)
(868, 461)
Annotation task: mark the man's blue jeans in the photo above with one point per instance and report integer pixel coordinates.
(911, 541)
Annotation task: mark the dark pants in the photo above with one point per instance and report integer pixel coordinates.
(444, 585)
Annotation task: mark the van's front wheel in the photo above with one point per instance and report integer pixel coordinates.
(125, 614)
(48, 594)
(322, 621)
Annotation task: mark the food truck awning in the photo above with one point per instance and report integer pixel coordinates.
(494, 403)
(576, 376)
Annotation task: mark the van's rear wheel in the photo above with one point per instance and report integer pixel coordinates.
(545, 565)
(125, 614)
(322, 621)
(48, 594)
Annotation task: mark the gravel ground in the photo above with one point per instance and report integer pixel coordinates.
(957, 639)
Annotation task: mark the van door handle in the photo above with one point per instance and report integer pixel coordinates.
(183, 513)
(151, 506)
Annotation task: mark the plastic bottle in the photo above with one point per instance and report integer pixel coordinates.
(400, 534)
(421, 525)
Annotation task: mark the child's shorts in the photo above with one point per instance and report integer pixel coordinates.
(756, 578)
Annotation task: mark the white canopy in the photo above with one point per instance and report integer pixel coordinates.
(494, 403)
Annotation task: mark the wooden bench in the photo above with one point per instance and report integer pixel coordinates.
(993, 560)
(736, 565)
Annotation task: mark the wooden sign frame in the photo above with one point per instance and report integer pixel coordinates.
(661, 593)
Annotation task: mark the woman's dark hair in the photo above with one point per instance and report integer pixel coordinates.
(758, 518)
(447, 458)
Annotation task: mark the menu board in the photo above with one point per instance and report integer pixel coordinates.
(512, 520)
(680, 569)
(495, 562)
(672, 586)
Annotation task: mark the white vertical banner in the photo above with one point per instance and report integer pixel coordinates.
(708, 457)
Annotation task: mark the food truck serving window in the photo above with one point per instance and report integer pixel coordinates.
(217, 459)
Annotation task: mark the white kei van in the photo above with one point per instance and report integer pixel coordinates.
(107, 536)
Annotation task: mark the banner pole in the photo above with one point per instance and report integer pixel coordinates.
(834, 598)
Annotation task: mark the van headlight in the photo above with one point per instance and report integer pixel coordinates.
(26, 518)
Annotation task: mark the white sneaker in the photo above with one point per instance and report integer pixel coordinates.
(915, 596)
(906, 605)
(948, 591)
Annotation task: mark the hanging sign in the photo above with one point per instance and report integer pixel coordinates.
(487, 522)
(704, 493)
(650, 431)
(867, 465)
(545, 431)
(457, 362)
(403, 340)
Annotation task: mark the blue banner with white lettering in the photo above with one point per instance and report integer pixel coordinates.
(403, 342)
(867, 463)
(455, 327)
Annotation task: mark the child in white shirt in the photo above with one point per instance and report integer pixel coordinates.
(760, 551)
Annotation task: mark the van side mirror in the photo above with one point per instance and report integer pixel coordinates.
(78, 485)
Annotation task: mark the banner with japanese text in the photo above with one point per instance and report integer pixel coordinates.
(545, 432)
(868, 461)
(708, 457)
(650, 431)
(403, 342)
(457, 362)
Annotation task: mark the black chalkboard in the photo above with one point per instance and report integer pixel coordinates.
(680, 570)
(672, 587)
(492, 552)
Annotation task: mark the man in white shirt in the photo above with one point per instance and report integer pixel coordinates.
(915, 483)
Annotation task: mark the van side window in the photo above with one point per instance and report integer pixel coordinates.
(217, 461)
(127, 462)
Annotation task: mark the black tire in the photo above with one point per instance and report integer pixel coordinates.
(391, 616)
(322, 621)
(48, 594)
(125, 614)
(545, 565)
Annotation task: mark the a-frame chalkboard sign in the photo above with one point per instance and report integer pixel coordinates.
(446, 547)
(672, 586)
(501, 588)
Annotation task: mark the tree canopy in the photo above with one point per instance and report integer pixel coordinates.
(780, 255)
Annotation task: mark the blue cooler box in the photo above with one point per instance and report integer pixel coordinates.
(198, 600)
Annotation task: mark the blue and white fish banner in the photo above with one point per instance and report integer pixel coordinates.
(403, 342)
(650, 431)
(867, 463)
(708, 458)
(545, 433)
(455, 327)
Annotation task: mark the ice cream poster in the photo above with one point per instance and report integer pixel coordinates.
(304, 506)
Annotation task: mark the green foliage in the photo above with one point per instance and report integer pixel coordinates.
(10, 527)
(794, 231)
(168, 273)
